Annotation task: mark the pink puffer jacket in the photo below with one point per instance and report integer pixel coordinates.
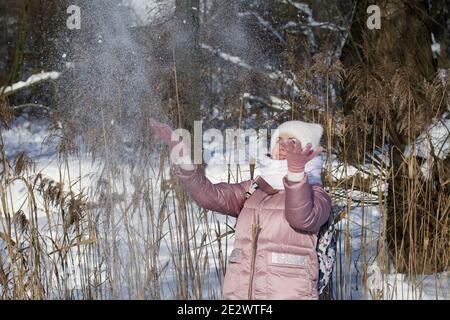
(274, 254)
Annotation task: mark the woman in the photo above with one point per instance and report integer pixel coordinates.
(274, 255)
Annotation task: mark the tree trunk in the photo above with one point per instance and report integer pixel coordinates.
(440, 26)
(187, 63)
(390, 73)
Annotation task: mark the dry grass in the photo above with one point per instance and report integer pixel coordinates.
(110, 242)
(135, 233)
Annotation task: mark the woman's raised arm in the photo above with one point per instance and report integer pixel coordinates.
(226, 198)
(307, 206)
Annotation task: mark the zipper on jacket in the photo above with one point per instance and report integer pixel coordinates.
(255, 230)
(255, 233)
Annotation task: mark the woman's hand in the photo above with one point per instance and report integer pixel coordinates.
(163, 131)
(180, 155)
(296, 156)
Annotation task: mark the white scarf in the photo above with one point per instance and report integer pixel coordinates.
(273, 171)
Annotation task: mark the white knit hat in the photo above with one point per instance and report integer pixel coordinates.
(303, 131)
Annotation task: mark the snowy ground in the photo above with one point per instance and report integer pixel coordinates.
(363, 226)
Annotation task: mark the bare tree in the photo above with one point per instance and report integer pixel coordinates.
(187, 62)
(391, 96)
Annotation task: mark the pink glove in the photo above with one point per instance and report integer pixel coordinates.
(298, 157)
(164, 132)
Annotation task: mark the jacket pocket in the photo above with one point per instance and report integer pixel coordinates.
(232, 275)
(289, 276)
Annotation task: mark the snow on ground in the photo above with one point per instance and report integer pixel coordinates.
(363, 228)
(33, 138)
(435, 138)
(132, 246)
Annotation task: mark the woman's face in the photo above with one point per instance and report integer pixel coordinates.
(278, 152)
